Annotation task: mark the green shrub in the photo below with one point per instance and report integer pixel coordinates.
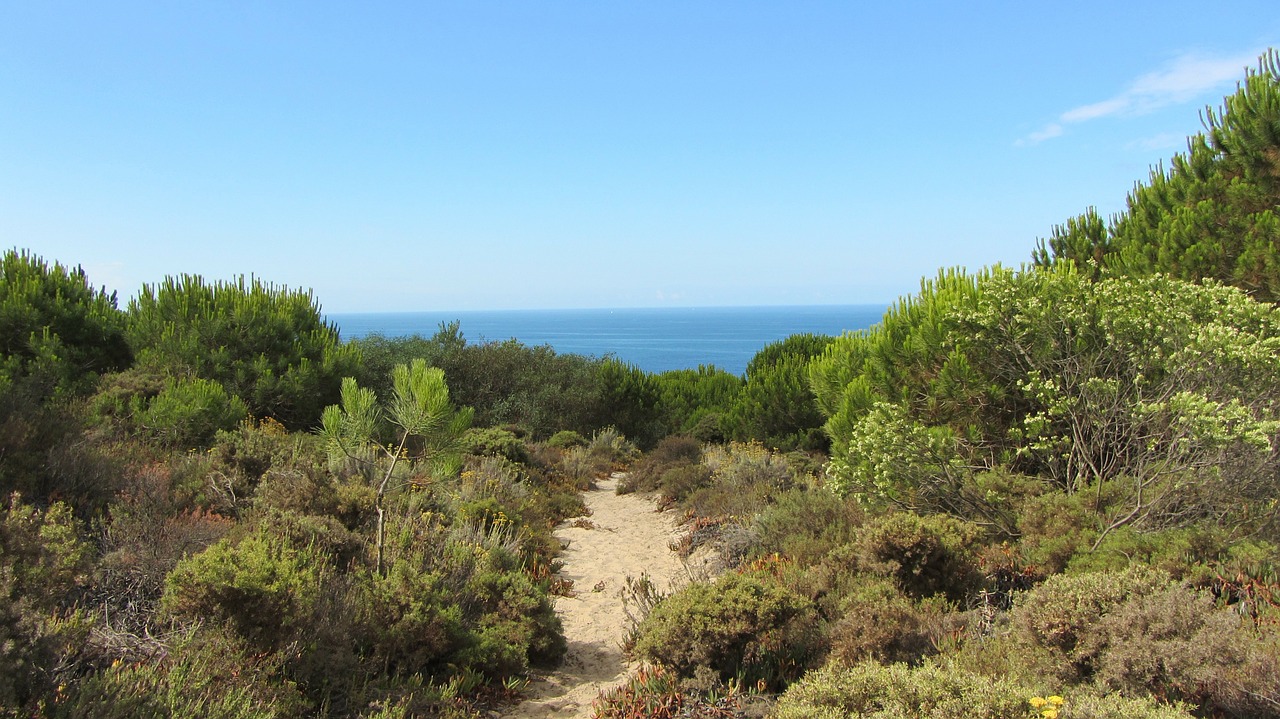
(609, 445)
(806, 525)
(677, 483)
(898, 692)
(875, 691)
(57, 332)
(776, 405)
(411, 622)
(208, 675)
(740, 626)
(925, 556)
(1054, 528)
(267, 344)
(189, 412)
(495, 442)
(263, 585)
(566, 438)
(43, 564)
(745, 479)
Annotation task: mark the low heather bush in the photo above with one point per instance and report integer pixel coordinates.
(925, 556)
(931, 691)
(741, 627)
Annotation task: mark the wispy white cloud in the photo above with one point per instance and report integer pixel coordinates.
(1047, 132)
(1184, 79)
(1163, 141)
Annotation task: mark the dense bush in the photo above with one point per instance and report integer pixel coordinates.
(505, 382)
(741, 626)
(263, 585)
(566, 438)
(43, 564)
(1057, 615)
(806, 525)
(57, 333)
(745, 478)
(693, 398)
(876, 691)
(633, 402)
(267, 345)
(189, 412)
(925, 556)
(495, 442)
(776, 405)
(882, 624)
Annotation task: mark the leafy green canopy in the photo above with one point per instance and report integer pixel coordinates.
(56, 330)
(1212, 214)
(1164, 393)
(267, 344)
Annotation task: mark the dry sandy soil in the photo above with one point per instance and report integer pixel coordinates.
(623, 537)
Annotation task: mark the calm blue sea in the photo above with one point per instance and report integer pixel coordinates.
(654, 339)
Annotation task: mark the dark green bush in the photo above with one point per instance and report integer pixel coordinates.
(741, 626)
(709, 429)
(925, 556)
(266, 344)
(57, 332)
(694, 398)
(679, 482)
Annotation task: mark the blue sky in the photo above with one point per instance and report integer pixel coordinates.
(494, 155)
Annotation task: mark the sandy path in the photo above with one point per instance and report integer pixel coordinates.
(627, 537)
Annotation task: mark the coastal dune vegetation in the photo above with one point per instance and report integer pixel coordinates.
(1049, 491)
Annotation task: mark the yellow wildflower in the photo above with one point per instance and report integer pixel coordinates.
(1038, 702)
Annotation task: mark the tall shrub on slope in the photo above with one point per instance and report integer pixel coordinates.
(1160, 396)
(777, 406)
(1213, 214)
(56, 330)
(266, 344)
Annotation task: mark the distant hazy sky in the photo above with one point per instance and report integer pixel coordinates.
(491, 155)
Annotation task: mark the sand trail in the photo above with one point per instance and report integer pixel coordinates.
(622, 537)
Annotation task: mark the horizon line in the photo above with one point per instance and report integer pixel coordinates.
(608, 309)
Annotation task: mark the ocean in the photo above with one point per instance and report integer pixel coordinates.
(653, 339)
